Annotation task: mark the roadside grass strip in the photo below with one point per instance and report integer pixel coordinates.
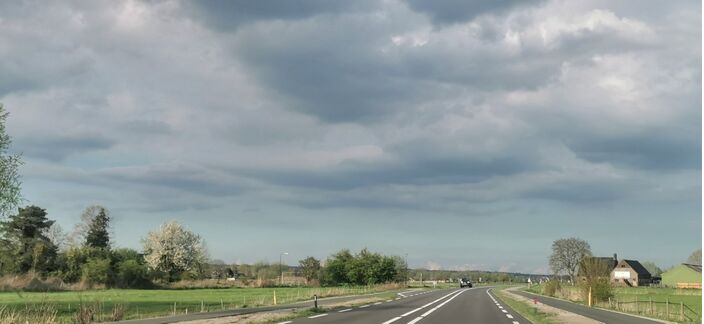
(531, 313)
(501, 308)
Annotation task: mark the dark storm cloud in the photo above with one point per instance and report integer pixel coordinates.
(445, 12)
(59, 147)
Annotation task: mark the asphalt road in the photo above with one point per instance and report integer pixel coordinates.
(473, 305)
(593, 313)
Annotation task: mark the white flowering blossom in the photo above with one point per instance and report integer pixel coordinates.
(174, 249)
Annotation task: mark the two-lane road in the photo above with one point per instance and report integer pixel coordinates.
(473, 305)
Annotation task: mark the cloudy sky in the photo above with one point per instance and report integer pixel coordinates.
(464, 134)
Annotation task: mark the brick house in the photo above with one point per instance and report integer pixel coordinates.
(630, 273)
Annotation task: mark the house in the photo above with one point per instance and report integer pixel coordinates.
(683, 276)
(630, 273)
(603, 265)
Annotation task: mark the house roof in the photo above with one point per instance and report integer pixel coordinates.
(637, 267)
(695, 267)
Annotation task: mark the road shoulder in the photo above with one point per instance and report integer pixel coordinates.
(551, 314)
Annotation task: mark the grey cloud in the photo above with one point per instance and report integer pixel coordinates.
(228, 15)
(59, 147)
(445, 12)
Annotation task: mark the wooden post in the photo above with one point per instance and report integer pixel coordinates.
(681, 311)
(202, 306)
(275, 296)
(667, 308)
(650, 300)
(610, 302)
(222, 305)
(590, 296)
(174, 309)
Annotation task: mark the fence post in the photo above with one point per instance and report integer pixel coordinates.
(681, 311)
(650, 300)
(667, 308)
(222, 305)
(202, 306)
(274, 297)
(174, 308)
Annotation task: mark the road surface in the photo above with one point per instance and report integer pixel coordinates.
(472, 305)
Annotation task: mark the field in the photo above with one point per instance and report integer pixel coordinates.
(663, 303)
(152, 303)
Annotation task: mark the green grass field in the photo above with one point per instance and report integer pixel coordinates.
(153, 303)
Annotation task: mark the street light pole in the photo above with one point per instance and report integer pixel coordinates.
(281, 268)
(406, 261)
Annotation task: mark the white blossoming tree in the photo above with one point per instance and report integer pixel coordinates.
(174, 250)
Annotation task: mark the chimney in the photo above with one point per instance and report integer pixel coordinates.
(615, 258)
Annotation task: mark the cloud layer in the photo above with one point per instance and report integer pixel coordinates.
(396, 119)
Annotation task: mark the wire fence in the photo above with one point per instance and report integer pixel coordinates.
(666, 310)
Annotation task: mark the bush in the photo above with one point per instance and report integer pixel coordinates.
(601, 289)
(96, 271)
(131, 274)
(551, 287)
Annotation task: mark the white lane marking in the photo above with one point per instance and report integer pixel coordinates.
(442, 304)
(364, 306)
(514, 322)
(501, 307)
(316, 316)
(392, 320)
(509, 315)
(390, 300)
(377, 303)
(505, 311)
(287, 322)
(414, 321)
(344, 310)
(397, 298)
(428, 304)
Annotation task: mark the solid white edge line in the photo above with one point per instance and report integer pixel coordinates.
(430, 303)
(414, 321)
(392, 320)
(287, 322)
(505, 311)
(316, 316)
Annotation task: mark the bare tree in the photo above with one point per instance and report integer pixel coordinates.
(567, 254)
(56, 235)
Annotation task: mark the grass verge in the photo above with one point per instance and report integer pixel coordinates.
(531, 313)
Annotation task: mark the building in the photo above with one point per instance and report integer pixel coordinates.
(603, 265)
(630, 273)
(683, 276)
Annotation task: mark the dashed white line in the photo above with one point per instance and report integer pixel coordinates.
(377, 303)
(428, 304)
(316, 316)
(344, 310)
(287, 322)
(514, 322)
(509, 315)
(363, 306)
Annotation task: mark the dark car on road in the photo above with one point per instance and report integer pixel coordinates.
(464, 282)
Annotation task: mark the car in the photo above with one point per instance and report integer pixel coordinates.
(464, 282)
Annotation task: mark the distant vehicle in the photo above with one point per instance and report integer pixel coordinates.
(464, 282)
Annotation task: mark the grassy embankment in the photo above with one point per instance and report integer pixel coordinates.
(133, 303)
(645, 301)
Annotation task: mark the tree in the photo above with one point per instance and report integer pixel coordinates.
(567, 254)
(79, 237)
(652, 268)
(174, 250)
(55, 233)
(695, 257)
(337, 267)
(24, 240)
(310, 267)
(98, 236)
(10, 196)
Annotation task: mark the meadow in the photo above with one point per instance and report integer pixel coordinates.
(113, 304)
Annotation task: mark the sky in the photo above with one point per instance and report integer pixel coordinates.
(465, 135)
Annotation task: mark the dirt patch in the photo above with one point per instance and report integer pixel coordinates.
(246, 318)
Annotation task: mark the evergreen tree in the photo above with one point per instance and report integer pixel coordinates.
(98, 236)
(25, 241)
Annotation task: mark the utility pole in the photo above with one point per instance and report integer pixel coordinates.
(281, 268)
(406, 260)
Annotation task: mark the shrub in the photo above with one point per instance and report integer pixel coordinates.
(96, 271)
(131, 273)
(551, 287)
